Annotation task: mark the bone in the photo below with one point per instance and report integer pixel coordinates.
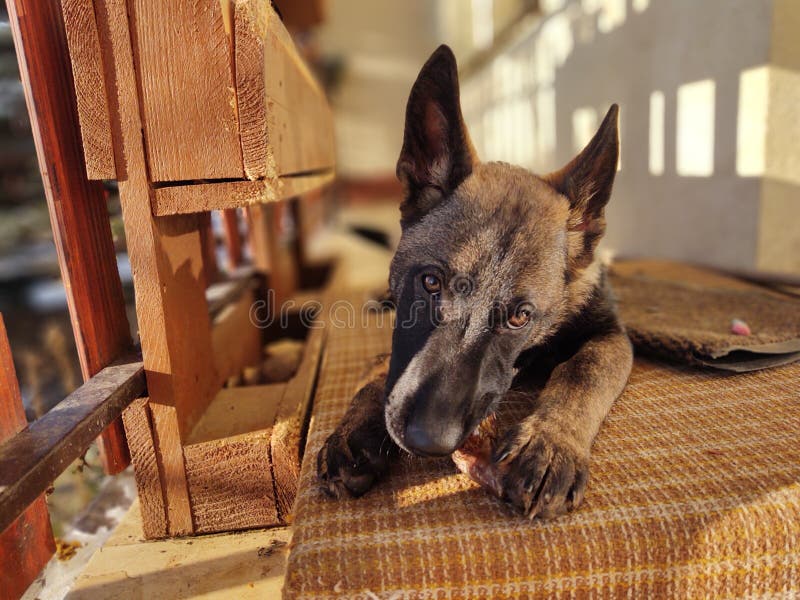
(474, 458)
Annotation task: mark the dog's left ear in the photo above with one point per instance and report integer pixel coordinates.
(586, 182)
(437, 153)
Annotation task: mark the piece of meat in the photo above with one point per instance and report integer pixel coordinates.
(474, 458)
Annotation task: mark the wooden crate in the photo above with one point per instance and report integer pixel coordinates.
(193, 107)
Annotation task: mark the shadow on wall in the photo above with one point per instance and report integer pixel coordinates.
(693, 80)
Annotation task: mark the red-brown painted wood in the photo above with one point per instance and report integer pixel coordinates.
(27, 544)
(78, 210)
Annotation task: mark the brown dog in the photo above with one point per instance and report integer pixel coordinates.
(494, 279)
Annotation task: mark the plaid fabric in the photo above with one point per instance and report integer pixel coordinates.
(695, 492)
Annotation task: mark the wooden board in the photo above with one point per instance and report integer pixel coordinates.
(285, 122)
(199, 197)
(187, 90)
(77, 207)
(233, 238)
(236, 341)
(27, 544)
(139, 430)
(166, 260)
(35, 456)
(247, 565)
(90, 88)
(286, 443)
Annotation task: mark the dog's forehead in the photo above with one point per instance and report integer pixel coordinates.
(504, 228)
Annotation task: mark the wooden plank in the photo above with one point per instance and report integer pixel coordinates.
(187, 88)
(90, 88)
(27, 544)
(200, 197)
(208, 244)
(233, 238)
(139, 430)
(235, 339)
(166, 260)
(300, 15)
(286, 441)
(34, 457)
(78, 211)
(244, 565)
(285, 122)
(230, 483)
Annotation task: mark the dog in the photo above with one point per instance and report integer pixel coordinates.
(495, 278)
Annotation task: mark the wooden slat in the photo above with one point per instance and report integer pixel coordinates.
(78, 210)
(34, 457)
(90, 88)
(187, 87)
(27, 544)
(139, 429)
(235, 339)
(199, 197)
(285, 122)
(286, 442)
(166, 259)
(233, 238)
(208, 244)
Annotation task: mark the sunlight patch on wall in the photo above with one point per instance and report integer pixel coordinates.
(695, 129)
(641, 5)
(612, 15)
(751, 123)
(584, 124)
(656, 156)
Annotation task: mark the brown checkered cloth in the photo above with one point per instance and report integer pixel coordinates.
(695, 492)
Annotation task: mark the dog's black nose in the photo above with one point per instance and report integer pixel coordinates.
(421, 440)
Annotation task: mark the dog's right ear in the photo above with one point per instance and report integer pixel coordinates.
(437, 153)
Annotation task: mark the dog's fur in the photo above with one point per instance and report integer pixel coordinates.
(480, 241)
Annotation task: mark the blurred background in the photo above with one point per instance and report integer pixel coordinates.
(709, 170)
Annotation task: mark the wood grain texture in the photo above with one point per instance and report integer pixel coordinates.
(78, 211)
(188, 98)
(166, 261)
(236, 341)
(285, 122)
(199, 197)
(139, 430)
(90, 88)
(286, 443)
(230, 482)
(33, 458)
(27, 543)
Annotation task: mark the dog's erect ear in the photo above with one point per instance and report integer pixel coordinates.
(437, 153)
(586, 182)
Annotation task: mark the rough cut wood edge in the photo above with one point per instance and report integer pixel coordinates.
(187, 90)
(286, 440)
(201, 197)
(34, 457)
(235, 339)
(90, 88)
(285, 123)
(139, 430)
(27, 544)
(230, 483)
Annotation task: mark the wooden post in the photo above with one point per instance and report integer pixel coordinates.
(78, 210)
(27, 544)
(233, 239)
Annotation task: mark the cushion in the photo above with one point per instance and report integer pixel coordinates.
(694, 491)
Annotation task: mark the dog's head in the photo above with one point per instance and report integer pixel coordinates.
(492, 259)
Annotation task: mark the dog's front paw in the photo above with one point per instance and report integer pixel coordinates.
(345, 467)
(545, 473)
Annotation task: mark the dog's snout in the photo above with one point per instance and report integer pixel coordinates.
(420, 441)
(431, 439)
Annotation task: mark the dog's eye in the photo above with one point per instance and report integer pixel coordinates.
(431, 283)
(521, 317)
